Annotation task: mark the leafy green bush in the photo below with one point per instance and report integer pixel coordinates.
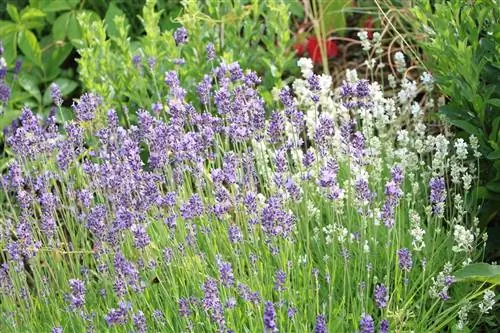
(121, 69)
(462, 49)
(42, 35)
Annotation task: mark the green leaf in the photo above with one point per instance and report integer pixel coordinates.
(481, 272)
(29, 84)
(296, 8)
(333, 15)
(74, 31)
(50, 6)
(109, 19)
(493, 186)
(13, 13)
(60, 27)
(30, 13)
(467, 126)
(494, 155)
(494, 102)
(8, 28)
(57, 55)
(29, 45)
(10, 48)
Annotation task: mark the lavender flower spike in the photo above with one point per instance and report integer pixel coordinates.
(270, 318)
(180, 36)
(405, 260)
(366, 324)
(320, 324)
(381, 296)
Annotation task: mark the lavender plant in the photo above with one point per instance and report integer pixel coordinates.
(257, 34)
(338, 212)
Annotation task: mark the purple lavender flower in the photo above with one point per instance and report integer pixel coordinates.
(15, 174)
(275, 220)
(140, 322)
(384, 326)
(57, 330)
(230, 303)
(366, 324)
(235, 71)
(157, 107)
(251, 79)
(279, 280)
(210, 50)
(225, 272)
(235, 235)
(96, 221)
(184, 307)
(203, 89)
(363, 193)
(3, 69)
(151, 62)
(291, 312)
(393, 193)
(438, 195)
(158, 316)
(4, 92)
(136, 60)
(179, 61)
(308, 158)
(211, 303)
(141, 237)
(276, 127)
(328, 174)
(77, 296)
(86, 106)
(380, 295)
(405, 260)
(180, 36)
(286, 97)
(247, 294)
(362, 89)
(6, 285)
(270, 318)
(193, 208)
(55, 92)
(320, 324)
(118, 316)
(17, 66)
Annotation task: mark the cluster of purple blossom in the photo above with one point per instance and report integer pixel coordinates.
(228, 179)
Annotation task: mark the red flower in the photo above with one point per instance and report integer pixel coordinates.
(314, 50)
(368, 26)
(300, 48)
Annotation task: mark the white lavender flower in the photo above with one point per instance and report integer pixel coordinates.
(399, 59)
(474, 144)
(464, 239)
(408, 91)
(427, 80)
(365, 42)
(463, 314)
(461, 149)
(488, 302)
(392, 81)
(306, 67)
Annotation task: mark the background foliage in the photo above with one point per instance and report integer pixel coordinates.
(461, 47)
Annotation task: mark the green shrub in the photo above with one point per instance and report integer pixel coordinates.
(121, 69)
(461, 44)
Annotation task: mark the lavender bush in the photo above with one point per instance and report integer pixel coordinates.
(325, 211)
